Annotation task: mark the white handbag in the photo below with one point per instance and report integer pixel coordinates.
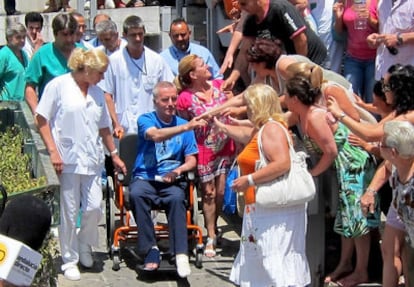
(293, 188)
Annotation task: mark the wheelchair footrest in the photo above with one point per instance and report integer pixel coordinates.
(167, 264)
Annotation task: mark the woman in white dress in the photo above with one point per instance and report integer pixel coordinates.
(272, 247)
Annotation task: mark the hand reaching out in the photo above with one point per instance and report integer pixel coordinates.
(197, 122)
(333, 107)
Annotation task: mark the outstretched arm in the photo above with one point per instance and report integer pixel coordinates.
(368, 132)
(241, 134)
(159, 135)
(381, 176)
(240, 65)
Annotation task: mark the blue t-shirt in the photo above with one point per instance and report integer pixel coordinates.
(160, 158)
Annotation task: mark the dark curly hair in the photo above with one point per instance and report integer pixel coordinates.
(402, 85)
(301, 88)
(378, 90)
(266, 51)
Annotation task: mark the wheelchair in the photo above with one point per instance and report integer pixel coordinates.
(120, 225)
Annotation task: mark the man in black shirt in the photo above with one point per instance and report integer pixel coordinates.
(276, 19)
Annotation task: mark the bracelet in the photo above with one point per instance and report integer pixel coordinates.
(115, 151)
(250, 180)
(341, 116)
(370, 190)
(400, 40)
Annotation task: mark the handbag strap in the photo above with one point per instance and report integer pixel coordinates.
(260, 145)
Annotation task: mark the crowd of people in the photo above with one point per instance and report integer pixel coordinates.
(352, 114)
(64, 6)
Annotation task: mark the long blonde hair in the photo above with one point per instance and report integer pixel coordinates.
(263, 103)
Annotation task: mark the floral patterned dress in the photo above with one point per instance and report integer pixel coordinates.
(355, 169)
(215, 149)
(403, 201)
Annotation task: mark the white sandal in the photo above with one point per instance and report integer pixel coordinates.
(211, 251)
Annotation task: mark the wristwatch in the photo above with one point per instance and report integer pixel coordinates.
(400, 40)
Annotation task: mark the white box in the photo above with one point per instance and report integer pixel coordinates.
(18, 262)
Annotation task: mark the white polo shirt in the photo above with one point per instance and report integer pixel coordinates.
(130, 82)
(75, 121)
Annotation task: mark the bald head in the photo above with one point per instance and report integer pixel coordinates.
(99, 18)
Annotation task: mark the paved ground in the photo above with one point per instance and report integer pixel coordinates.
(215, 272)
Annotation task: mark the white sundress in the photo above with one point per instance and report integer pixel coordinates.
(272, 248)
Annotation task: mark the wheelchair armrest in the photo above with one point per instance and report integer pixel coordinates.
(120, 177)
(191, 175)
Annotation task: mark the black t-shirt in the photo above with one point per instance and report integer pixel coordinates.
(284, 22)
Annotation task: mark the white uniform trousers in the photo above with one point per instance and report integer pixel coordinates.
(78, 191)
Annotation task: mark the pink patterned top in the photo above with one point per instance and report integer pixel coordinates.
(216, 149)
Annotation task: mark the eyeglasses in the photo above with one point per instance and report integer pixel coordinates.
(386, 88)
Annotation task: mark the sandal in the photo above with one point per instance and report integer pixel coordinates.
(210, 249)
(152, 260)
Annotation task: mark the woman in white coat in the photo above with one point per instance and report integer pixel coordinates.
(73, 121)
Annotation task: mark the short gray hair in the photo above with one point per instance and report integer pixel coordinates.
(400, 135)
(162, 85)
(15, 29)
(106, 26)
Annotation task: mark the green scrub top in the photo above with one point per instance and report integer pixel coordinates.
(46, 64)
(12, 75)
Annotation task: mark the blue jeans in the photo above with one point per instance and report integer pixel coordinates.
(360, 73)
(146, 195)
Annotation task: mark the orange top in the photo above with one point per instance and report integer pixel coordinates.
(247, 161)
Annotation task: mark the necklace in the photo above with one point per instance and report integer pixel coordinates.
(143, 70)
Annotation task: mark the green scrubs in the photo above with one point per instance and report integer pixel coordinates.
(46, 64)
(12, 75)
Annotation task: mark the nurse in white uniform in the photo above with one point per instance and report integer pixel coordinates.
(73, 121)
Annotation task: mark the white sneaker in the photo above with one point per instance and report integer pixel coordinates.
(183, 265)
(85, 255)
(72, 273)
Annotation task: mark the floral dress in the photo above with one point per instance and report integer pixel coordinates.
(355, 169)
(403, 201)
(215, 149)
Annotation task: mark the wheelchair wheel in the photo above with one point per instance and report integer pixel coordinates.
(116, 261)
(110, 213)
(199, 258)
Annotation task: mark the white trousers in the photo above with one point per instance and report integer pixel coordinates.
(78, 191)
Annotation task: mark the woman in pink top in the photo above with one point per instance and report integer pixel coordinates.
(358, 19)
(197, 95)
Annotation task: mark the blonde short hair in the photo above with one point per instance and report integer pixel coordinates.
(263, 103)
(400, 136)
(94, 59)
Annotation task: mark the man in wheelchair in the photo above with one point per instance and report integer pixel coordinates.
(166, 149)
